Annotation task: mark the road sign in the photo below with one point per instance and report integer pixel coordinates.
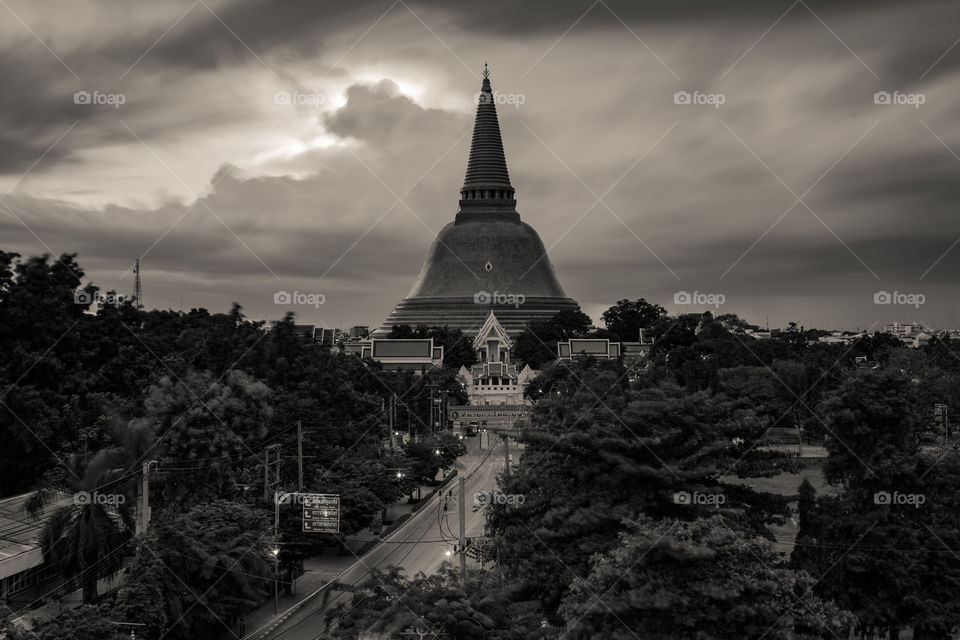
(491, 414)
(321, 512)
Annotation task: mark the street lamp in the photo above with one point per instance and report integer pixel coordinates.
(276, 575)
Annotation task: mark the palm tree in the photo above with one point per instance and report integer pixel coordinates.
(85, 540)
(85, 537)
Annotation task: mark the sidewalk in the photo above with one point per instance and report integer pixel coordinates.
(318, 571)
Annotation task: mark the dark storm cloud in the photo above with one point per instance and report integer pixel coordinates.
(700, 200)
(929, 180)
(32, 114)
(377, 113)
(231, 34)
(198, 244)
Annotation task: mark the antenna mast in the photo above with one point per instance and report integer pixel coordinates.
(137, 289)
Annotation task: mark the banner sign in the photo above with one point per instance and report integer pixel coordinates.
(499, 414)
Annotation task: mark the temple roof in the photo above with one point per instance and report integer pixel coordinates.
(492, 326)
(487, 182)
(488, 164)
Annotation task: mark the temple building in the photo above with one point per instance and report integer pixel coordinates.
(495, 380)
(486, 260)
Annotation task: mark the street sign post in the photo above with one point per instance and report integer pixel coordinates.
(321, 512)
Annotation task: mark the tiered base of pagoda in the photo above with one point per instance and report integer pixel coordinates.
(463, 314)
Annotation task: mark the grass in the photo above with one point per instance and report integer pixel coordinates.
(787, 484)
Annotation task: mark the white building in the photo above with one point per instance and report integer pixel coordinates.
(494, 380)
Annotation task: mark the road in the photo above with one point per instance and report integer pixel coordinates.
(417, 546)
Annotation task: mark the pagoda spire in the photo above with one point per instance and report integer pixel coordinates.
(487, 183)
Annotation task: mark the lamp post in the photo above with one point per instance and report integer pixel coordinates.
(276, 575)
(278, 497)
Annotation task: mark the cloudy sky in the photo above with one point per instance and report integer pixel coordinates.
(243, 147)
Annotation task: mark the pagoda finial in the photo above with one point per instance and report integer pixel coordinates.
(486, 185)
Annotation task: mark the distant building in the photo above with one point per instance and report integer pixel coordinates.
(22, 568)
(636, 349)
(914, 334)
(902, 330)
(921, 339)
(596, 347)
(359, 331)
(308, 331)
(645, 338)
(396, 354)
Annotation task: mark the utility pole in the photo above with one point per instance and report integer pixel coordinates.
(391, 418)
(434, 407)
(506, 452)
(299, 455)
(444, 402)
(267, 481)
(143, 517)
(462, 507)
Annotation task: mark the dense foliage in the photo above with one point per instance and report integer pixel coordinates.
(640, 509)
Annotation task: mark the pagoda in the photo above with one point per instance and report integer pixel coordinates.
(486, 260)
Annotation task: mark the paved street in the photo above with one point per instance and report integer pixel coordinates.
(417, 546)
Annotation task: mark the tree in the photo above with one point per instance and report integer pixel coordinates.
(599, 452)
(872, 432)
(695, 580)
(427, 456)
(626, 318)
(85, 622)
(141, 597)
(881, 546)
(537, 344)
(437, 606)
(84, 540)
(218, 553)
(204, 425)
(85, 537)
